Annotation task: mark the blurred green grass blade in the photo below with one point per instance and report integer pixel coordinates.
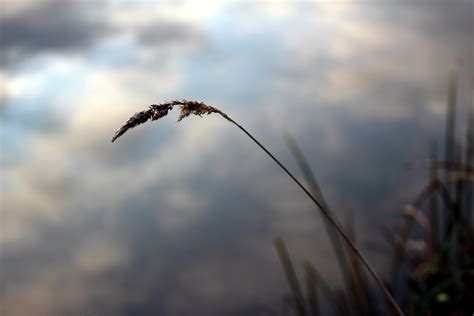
(452, 214)
(324, 287)
(334, 237)
(469, 162)
(465, 196)
(451, 116)
(433, 207)
(290, 276)
(303, 165)
(311, 288)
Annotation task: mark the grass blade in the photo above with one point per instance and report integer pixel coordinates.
(315, 189)
(433, 207)
(450, 150)
(469, 156)
(295, 287)
(311, 288)
(451, 116)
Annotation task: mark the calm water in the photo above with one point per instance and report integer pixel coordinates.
(179, 219)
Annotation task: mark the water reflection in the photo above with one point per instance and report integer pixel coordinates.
(179, 219)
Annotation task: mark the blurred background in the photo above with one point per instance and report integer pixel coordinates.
(179, 219)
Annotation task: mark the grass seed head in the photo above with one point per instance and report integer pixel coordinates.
(157, 111)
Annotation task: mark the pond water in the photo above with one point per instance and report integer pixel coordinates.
(179, 219)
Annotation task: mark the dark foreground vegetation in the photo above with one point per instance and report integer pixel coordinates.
(432, 266)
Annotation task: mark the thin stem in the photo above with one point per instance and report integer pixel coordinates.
(328, 216)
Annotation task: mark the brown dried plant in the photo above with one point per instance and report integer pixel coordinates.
(157, 111)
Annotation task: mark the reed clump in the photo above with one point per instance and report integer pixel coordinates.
(199, 108)
(432, 270)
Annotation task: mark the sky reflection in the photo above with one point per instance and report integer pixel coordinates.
(179, 218)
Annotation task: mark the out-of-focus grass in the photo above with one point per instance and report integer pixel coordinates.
(431, 275)
(297, 300)
(334, 237)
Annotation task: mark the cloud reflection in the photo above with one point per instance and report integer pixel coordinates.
(179, 219)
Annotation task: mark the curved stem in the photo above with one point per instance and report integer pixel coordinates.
(328, 216)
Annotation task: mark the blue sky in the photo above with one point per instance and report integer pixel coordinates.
(184, 214)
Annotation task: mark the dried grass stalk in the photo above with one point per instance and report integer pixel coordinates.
(157, 111)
